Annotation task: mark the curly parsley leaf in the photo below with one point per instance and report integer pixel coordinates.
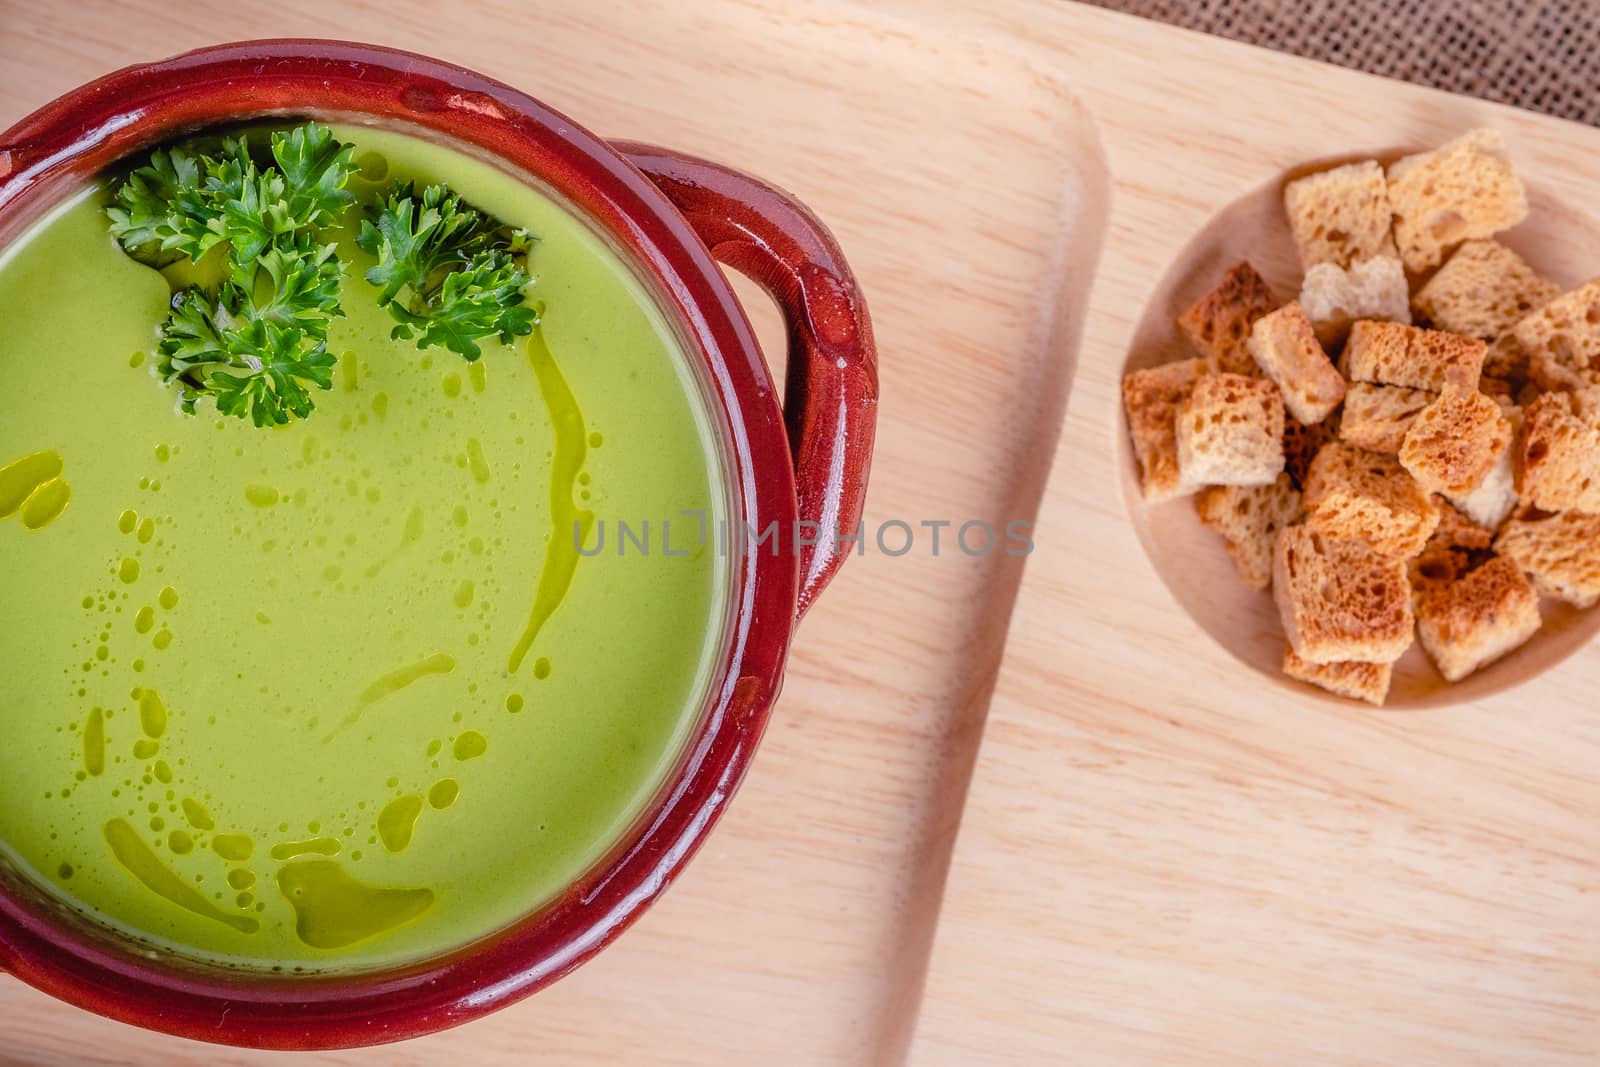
(449, 274)
(250, 209)
(185, 202)
(279, 367)
(192, 340)
(256, 343)
(249, 366)
(305, 287)
(315, 168)
(161, 211)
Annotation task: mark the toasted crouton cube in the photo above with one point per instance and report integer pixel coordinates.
(1496, 496)
(1340, 216)
(1376, 417)
(1387, 353)
(1562, 339)
(1561, 553)
(1463, 190)
(1301, 443)
(1561, 452)
(1152, 398)
(1353, 681)
(1339, 600)
(1458, 545)
(1357, 495)
(1507, 360)
(1472, 621)
(1286, 348)
(1249, 518)
(1334, 296)
(1230, 432)
(1483, 291)
(1455, 442)
(1219, 323)
(1499, 390)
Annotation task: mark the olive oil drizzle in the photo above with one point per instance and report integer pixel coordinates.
(570, 523)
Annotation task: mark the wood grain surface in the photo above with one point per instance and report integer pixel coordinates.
(1167, 857)
(955, 177)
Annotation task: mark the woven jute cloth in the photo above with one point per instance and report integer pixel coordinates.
(1544, 56)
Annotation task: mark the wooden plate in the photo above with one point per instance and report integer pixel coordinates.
(1559, 239)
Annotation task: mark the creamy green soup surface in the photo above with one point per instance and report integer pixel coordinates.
(323, 696)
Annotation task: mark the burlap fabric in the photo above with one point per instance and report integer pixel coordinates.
(1544, 56)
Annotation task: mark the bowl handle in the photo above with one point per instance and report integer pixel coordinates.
(831, 395)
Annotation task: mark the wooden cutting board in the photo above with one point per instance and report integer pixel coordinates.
(1167, 859)
(953, 177)
(1168, 856)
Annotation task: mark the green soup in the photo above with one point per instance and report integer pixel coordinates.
(342, 693)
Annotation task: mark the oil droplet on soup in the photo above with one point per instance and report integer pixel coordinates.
(94, 743)
(45, 504)
(141, 861)
(321, 846)
(235, 847)
(152, 713)
(333, 910)
(444, 793)
(262, 496)
(19, 479)
(197, 815)
(398, 821)
(470, 745)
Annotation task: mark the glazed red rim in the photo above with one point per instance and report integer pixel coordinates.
(130, 110)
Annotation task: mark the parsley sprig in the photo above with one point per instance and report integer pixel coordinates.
(256, 342)
(257, 358)
(448, 273)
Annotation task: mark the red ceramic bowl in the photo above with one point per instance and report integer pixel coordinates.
(802, 464)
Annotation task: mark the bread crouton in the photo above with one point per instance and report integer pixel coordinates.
(1339, 600)
(1455, 442)
(1152, 398)
(1506, 359)
(1218, 324)
(1230, 432)
(1353, 494)
(1457, 547)
(1340, 216)
(1561, 553)
(1334, 297)
(1562, 339)
(1472, 621)
(1387, 353)
(1248, 518)
(1301, 443)
(1483, 291)
(1286, 348)
(1460, 191)
(1500, 390)
(1496, 496)
(1561, 452)
(1376, 417)
(1353, 681)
